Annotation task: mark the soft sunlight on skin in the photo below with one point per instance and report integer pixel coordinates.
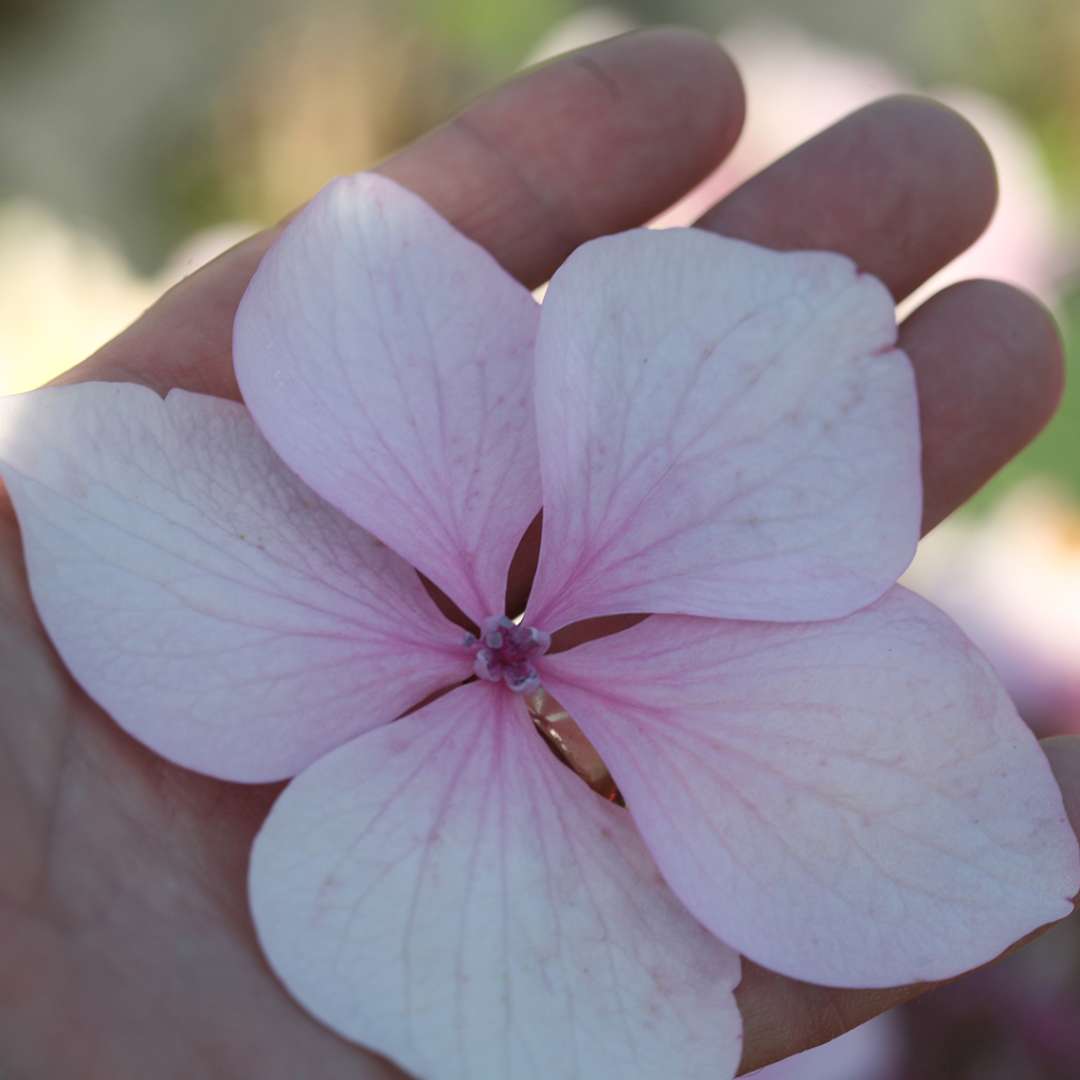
(123, 873)
(819, 772)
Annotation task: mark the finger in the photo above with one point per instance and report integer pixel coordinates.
(902, 186)
(782, 1017)
(594, 142)
(989, 364)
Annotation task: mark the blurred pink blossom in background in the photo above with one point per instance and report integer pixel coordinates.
(1012, 581)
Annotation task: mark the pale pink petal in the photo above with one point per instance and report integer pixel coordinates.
(724, 430)
(445, 892)
(388, 360)
(854, 803)
(219, 610)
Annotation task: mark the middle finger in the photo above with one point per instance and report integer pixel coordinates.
(901, 186)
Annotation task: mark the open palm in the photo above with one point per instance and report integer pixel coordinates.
(126, 946)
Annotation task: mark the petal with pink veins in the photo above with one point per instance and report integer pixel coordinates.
(852, 803)
(389, 361)
(220, 611)
(444, 891)
(724, 430)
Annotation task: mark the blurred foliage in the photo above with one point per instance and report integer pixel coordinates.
(316, 97)
(492, 30)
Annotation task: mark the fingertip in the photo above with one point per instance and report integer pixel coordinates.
(665, 105)
(960, 157)
(989, 362)
(1020, 333)
(902, 186)
(955, 162)
(709, 74)
(596, 141)
(1035, 331)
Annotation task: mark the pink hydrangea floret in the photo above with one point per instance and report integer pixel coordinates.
(819, 771)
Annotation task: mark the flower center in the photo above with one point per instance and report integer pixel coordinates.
(505, 651)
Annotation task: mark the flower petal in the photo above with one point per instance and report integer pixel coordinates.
(724, 431)
(853, 803)
(219, 610)
(444, 891)
(389, 361)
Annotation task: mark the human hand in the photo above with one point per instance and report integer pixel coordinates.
(128, 946)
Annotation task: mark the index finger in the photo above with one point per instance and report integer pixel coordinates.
(596, 141)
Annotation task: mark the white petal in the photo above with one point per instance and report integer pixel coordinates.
(447, 893)
(219, 610)
(852, 802)
(389, 360)
(724, 431)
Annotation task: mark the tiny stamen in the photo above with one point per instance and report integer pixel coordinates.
(505, 652)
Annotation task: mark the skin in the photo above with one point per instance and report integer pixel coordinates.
(126, 943)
